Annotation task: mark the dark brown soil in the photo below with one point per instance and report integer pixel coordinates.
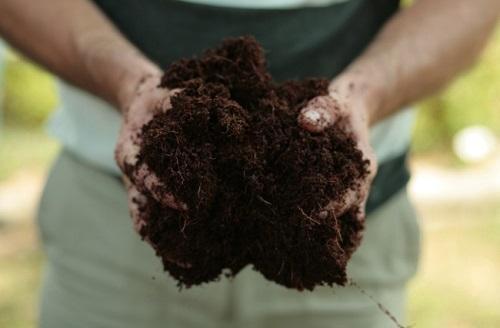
(253, 180)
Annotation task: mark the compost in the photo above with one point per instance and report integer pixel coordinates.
(255, 183)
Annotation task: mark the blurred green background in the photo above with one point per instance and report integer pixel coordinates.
(459, 281)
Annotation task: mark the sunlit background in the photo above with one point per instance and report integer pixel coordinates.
(455, 186)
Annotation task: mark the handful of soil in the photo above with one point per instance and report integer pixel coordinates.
(254, 182)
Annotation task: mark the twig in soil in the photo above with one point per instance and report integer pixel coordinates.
(264, 201)
(307, 216)
(379, 305)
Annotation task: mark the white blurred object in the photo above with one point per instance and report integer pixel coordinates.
(474, 143)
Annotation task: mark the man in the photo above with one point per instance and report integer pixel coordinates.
(109, 53)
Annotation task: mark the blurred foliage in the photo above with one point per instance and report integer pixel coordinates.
(29, 98)
(29, 94)
(24, 147)
(474, 98)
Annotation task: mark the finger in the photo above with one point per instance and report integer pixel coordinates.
(129, 139)
(370, 156)
(148, 180)
(362, 209)
(339, 207)
(136, 202)
(142, 110)
(319, 113)
(163, 99)
(127, 149)
(144, 179)
(140, 113)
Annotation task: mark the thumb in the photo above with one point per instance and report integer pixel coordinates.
(319, 113)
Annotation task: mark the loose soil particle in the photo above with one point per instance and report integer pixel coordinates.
(253, 180)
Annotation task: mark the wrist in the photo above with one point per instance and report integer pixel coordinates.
(361, 88)
(115, 68)
(129, 84)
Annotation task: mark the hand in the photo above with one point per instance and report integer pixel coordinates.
(139, 106)
(346, 106)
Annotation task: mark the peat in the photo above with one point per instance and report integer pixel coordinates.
(253, 180)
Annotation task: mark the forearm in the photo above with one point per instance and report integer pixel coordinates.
(421, 49)
(74, 40)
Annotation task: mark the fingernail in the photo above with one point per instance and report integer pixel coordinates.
(323, 214)
(312, 116)
(317, 118)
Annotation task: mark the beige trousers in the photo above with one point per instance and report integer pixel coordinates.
(100, 274)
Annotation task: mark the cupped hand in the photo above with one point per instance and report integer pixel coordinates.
(144, 101)
(343, 107)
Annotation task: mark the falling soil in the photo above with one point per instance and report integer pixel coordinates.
(254, 182)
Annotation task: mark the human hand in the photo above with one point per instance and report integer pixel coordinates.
(345, 106)
(139, 106)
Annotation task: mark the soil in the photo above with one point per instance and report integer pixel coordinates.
(254, 181)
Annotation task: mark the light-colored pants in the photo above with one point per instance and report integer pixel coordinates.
(100, 274)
